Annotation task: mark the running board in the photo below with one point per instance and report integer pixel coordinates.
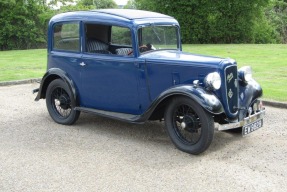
(114, 115)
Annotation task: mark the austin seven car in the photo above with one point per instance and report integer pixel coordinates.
(129, 65)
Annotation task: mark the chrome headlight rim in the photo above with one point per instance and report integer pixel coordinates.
(213, 81)
(245, 74)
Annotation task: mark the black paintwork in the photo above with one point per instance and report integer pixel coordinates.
(50, 75)
(248, 94)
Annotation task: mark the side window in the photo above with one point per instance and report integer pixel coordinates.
(107, 39)
(66, 37)
(97, 38)
(121, 36)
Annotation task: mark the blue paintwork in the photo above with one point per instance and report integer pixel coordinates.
(112, 81)
(165, 69)
(173, 56)
(136, 85)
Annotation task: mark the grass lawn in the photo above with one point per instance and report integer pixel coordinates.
(269, 64)
(22, 64)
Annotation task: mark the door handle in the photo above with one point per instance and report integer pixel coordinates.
(82, 64)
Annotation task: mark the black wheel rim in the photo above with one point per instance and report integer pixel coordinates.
(187, 124)
(61, 102)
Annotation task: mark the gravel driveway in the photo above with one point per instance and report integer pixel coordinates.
(99, 154)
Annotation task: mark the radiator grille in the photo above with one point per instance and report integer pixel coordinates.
(231, 81)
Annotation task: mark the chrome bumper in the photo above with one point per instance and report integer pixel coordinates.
(245, 121)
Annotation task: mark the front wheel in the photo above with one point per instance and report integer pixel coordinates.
(189, 126)
(60, 103)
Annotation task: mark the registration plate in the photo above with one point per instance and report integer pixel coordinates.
(249, 128)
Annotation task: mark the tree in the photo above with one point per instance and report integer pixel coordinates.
(277, 16)
(99, 4)
(20, 25)
(219, 21)
(6, 2)
(55, 2)
(131, 4)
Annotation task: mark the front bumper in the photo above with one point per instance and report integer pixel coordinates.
(245, 121)
(35, 90)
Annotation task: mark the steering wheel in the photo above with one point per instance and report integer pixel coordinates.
(143, 48)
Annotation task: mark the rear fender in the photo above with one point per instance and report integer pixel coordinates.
(50, 75)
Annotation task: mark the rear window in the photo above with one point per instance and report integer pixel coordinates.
(66, 36)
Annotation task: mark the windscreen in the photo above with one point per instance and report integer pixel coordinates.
(159, 37)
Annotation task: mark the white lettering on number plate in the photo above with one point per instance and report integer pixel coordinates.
(252, 127)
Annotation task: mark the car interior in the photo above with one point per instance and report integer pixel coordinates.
(105, 39)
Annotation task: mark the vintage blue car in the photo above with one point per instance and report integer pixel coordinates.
(129, 65)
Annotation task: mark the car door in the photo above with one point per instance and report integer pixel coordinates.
(65, 49)
(108, 81)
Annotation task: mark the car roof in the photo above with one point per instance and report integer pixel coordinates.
(132, 14)
(116, 15)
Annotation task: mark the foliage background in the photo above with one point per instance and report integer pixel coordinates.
(224, 21)
(24, 22)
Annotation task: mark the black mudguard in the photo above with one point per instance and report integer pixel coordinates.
(207, 100)
(248, 93)
(50, 75)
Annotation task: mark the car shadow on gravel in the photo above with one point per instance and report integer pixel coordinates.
(223, 140)
(151, 131)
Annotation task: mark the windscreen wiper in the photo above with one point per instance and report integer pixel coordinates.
(155, 32)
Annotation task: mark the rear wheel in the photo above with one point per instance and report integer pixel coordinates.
(189, 126)
(60, 103)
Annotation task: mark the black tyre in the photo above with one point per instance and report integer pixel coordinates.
(60, 103)
(189, 126)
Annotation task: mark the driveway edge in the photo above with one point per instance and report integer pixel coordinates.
(20, 82)
(275, 104)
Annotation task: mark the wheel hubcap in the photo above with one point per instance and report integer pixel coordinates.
(190, 123)
(61, 102)
(64, 101)
(187, 124)
(57, 102)
(183, 125)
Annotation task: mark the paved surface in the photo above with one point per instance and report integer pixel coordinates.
(99, 154)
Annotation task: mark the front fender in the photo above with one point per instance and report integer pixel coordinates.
(205, 99)
(248, 94)
(50, 75)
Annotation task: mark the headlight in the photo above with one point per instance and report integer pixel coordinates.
(213, 81)
(245, 73)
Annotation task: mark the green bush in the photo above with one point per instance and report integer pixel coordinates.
(24, 22)
(276, 14)
(20, 26)
(221, 21)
